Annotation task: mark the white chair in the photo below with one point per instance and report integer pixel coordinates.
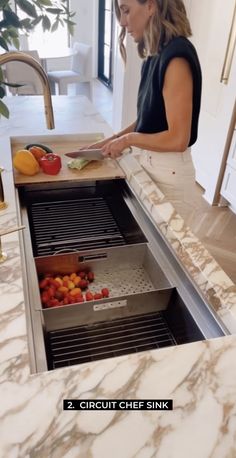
(80, 72)
(21, 73)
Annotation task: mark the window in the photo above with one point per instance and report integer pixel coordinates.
(105, 42)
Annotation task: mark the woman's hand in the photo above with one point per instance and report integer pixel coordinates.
(116, 147)
(97, 145)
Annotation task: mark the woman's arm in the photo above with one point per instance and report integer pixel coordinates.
(178, 94)
(105, 141)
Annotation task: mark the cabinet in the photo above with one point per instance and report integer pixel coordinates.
(228, 189)
(211, 40)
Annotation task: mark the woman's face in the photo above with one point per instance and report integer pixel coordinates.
(135, 16)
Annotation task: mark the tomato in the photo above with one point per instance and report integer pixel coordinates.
(76, 280)
(82, 274)
(65, 301)
(63, 289)
(83, 284)
(105, 292)
(71, 284)
(90, 276)
(75, 292)
(43, 283)
(55, 283)
(51, 291)
(89, 296)
(53, 303)
(44, 297)
(97, 296)
(59, 295)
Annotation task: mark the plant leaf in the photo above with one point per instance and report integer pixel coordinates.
(46, 23)
(3, 44)
(55, 26)
(12, 84)
(4, 110)
(54, 10)
(11, 18)
(27, 7)
(2, 92)
(45, 2)
(36, 21)
(3, 3)
(26, 23)
(16, 42)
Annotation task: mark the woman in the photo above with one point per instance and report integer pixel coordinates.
(169, 93)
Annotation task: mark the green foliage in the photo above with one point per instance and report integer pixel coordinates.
(37, 12)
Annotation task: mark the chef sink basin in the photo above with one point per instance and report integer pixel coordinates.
(101, 227)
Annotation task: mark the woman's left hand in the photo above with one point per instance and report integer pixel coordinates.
(116, 147)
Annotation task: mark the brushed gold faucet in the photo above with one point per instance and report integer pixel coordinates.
(13, 56)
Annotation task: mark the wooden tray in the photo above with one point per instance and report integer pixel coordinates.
(61, 144)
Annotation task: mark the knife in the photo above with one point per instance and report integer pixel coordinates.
(89, 154)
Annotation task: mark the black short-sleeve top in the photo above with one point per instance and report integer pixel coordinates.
(151, 114)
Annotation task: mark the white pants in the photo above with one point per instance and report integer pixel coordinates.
(173, 173)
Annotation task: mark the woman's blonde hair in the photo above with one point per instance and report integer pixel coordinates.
(170, 20)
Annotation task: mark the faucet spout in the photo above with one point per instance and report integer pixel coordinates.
(29, 60)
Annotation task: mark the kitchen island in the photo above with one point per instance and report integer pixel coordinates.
(199, 377)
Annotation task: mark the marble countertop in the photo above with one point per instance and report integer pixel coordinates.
(199, 377)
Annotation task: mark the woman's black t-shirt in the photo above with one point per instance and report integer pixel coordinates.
(151, 114)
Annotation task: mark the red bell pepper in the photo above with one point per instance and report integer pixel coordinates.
(51, 164)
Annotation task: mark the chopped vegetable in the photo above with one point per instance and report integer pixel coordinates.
(78, 163)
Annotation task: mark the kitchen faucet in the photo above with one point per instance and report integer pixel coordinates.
(29, 60)
(12, 56)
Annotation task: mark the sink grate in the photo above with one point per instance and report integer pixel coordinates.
(78, 224)
(108, 339)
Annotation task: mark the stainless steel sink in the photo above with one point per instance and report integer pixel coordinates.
(102, 226)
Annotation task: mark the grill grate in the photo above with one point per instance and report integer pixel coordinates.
(79, 224)
(108, 339)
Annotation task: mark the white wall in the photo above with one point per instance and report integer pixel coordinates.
(86, 30)
(126, 82)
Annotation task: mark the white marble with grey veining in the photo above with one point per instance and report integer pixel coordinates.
(199, 377)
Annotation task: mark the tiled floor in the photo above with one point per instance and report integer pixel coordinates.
(214, 226)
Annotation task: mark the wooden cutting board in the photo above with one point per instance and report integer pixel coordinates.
(60, 144)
